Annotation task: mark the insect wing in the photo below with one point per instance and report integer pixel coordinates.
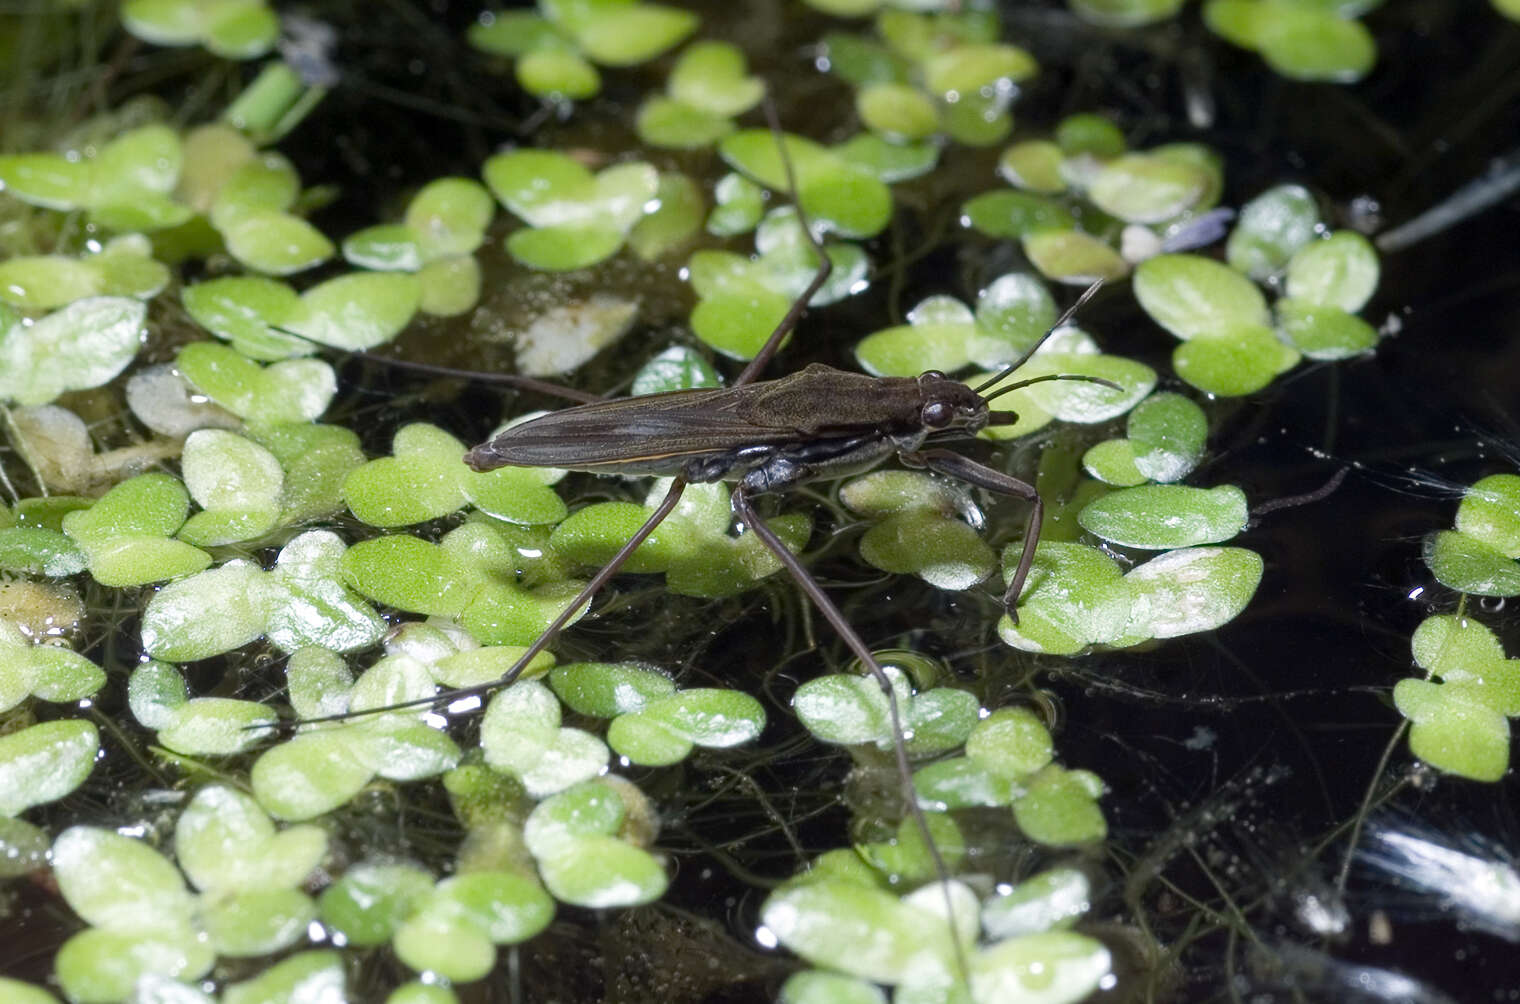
(634, 434)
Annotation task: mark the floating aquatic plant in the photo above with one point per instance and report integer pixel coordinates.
(232, 29)
(575, 218)
(707, 87)
(556, 49)
(931, 74)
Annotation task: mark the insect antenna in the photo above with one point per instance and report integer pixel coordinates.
(1078, 377)
(825, 266)
(1061, 322)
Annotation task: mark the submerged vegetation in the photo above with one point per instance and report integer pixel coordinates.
(254, 601)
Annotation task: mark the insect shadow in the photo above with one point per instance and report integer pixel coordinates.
(766, 436)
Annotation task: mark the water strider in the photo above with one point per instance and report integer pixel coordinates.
(818, 424)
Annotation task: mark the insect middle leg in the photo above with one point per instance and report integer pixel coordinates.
(745, 510)
(953, 465)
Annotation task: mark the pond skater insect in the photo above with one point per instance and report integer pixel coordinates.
(767, 436)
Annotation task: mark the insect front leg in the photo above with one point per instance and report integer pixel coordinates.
(952, 464)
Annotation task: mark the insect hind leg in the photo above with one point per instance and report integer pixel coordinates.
(745, 510)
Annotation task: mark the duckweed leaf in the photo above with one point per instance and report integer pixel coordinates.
(708, 717)
(274, 242)
(905, 860)
(1167, 433)
(860, 931)
(83, 345)
(942, 334)
(113, 881)
(521, 735)
(497, 907)
(449, 216)
(580, 859)
(1055, 898)
(1192, 296)
(1303, 43)
(1490, 512)
(607, 690)
(1272, 228)
(296, 390)
(123, 534)
(1323, 332)
(959, 783)
(1034, 166)
(673, 224)
(973, 68)
(263, 183)
(675, 368)
(48, 672)
(603, 872)
(1052, 967)
(1014, 214)
(1239, 361)
(1467, 656)
(427, 478)
(849, 709)
(695, 551)
(308, 976)
(43, 763)
(225, 843)
(1191, 590)
(1452, 731)
(1339, 271)
(239, 29)
(357, 311)
(739, 204)
(898, 111)
(370, 900)
(834, 194)
(1073, 257)
(889, 161)
(1075, 596)
(109, 965)
(246, 310)
(47, 179)
(312, 774)
(1090, 134)
(1010, 743)
(1059, 808)
(1469, 565)
(623, 34)
(316, 459)
(1144, 188)
(388, 247)
(154, 690)
(124, 185)
(24, 993)
(814, 986)
(558, 75)
(707, 86)
(44, 282)
(308, 603)
(175, 626)
(216, 726)
(944, 552)
(449, 287)
(237, 484)
(258, 922)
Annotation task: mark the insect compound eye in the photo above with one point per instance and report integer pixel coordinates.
(936, 414)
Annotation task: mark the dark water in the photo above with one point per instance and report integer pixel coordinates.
(1235, 760)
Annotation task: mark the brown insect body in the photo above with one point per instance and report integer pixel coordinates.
(815, 424)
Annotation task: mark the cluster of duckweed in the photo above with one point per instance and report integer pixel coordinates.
(386, 580)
